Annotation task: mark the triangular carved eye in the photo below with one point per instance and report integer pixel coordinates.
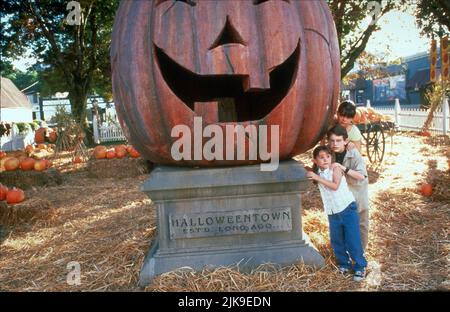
(190, 2)
(256, 2)
(229, 34)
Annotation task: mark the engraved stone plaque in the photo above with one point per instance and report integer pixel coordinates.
(229, 223)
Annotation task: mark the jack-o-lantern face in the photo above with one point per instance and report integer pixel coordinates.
(234, 58)
(249, 62)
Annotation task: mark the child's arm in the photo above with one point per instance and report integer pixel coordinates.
(355, 137)
(333, 185)
(351, 173)
(354, 144)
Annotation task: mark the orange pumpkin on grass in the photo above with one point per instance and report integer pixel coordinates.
(426, 189)
(425, 133)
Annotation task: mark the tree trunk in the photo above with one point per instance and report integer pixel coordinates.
(78, 103)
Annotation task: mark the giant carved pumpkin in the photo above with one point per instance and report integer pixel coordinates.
(249, 62)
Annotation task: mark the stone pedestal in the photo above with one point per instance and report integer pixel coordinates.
(222, 216)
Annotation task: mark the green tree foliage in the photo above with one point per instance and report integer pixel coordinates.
(356, 21)
(21, 79)
(433, 17)
(73, 58)
(354, 32)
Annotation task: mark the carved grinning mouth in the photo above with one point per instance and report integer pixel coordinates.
(233, 103)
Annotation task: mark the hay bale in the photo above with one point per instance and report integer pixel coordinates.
(27, 179)
(26, 211)
(117, 168)
(440, 181)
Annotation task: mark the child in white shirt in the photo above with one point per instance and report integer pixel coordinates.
(340, 206)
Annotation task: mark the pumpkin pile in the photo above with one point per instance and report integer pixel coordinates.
(12, 196)
(43, 135)
(15, 209)
(40, 151)
(24, 163)
(368, 114)
(118, 151)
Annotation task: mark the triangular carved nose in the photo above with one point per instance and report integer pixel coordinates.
(229, 34)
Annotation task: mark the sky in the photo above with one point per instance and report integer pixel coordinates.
(398, 37)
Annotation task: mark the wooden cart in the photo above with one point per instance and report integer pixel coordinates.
(375, 135)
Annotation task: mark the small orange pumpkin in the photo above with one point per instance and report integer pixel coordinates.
(12, 164)
(3, 191)
(2, 154)
(370, 112)
(425, 133)
(100, 152)
(364, 114)
(110, 154)
(120, 150)
(29, 148)
(27, 164)
(357, 117)
(39, 135)
(40, 165)
(134, 153)
(52, 137)
(14, 196)
(426, 189)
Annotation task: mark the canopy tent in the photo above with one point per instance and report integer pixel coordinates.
(14, 105)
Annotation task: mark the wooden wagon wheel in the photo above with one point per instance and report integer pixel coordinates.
(376, 144)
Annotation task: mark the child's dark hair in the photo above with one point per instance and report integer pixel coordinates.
(339, 131)
(316, 152)
(347, 109)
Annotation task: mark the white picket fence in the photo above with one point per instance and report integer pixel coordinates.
(107, 133)
(414, 118)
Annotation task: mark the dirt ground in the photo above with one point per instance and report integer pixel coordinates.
(107, 225)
